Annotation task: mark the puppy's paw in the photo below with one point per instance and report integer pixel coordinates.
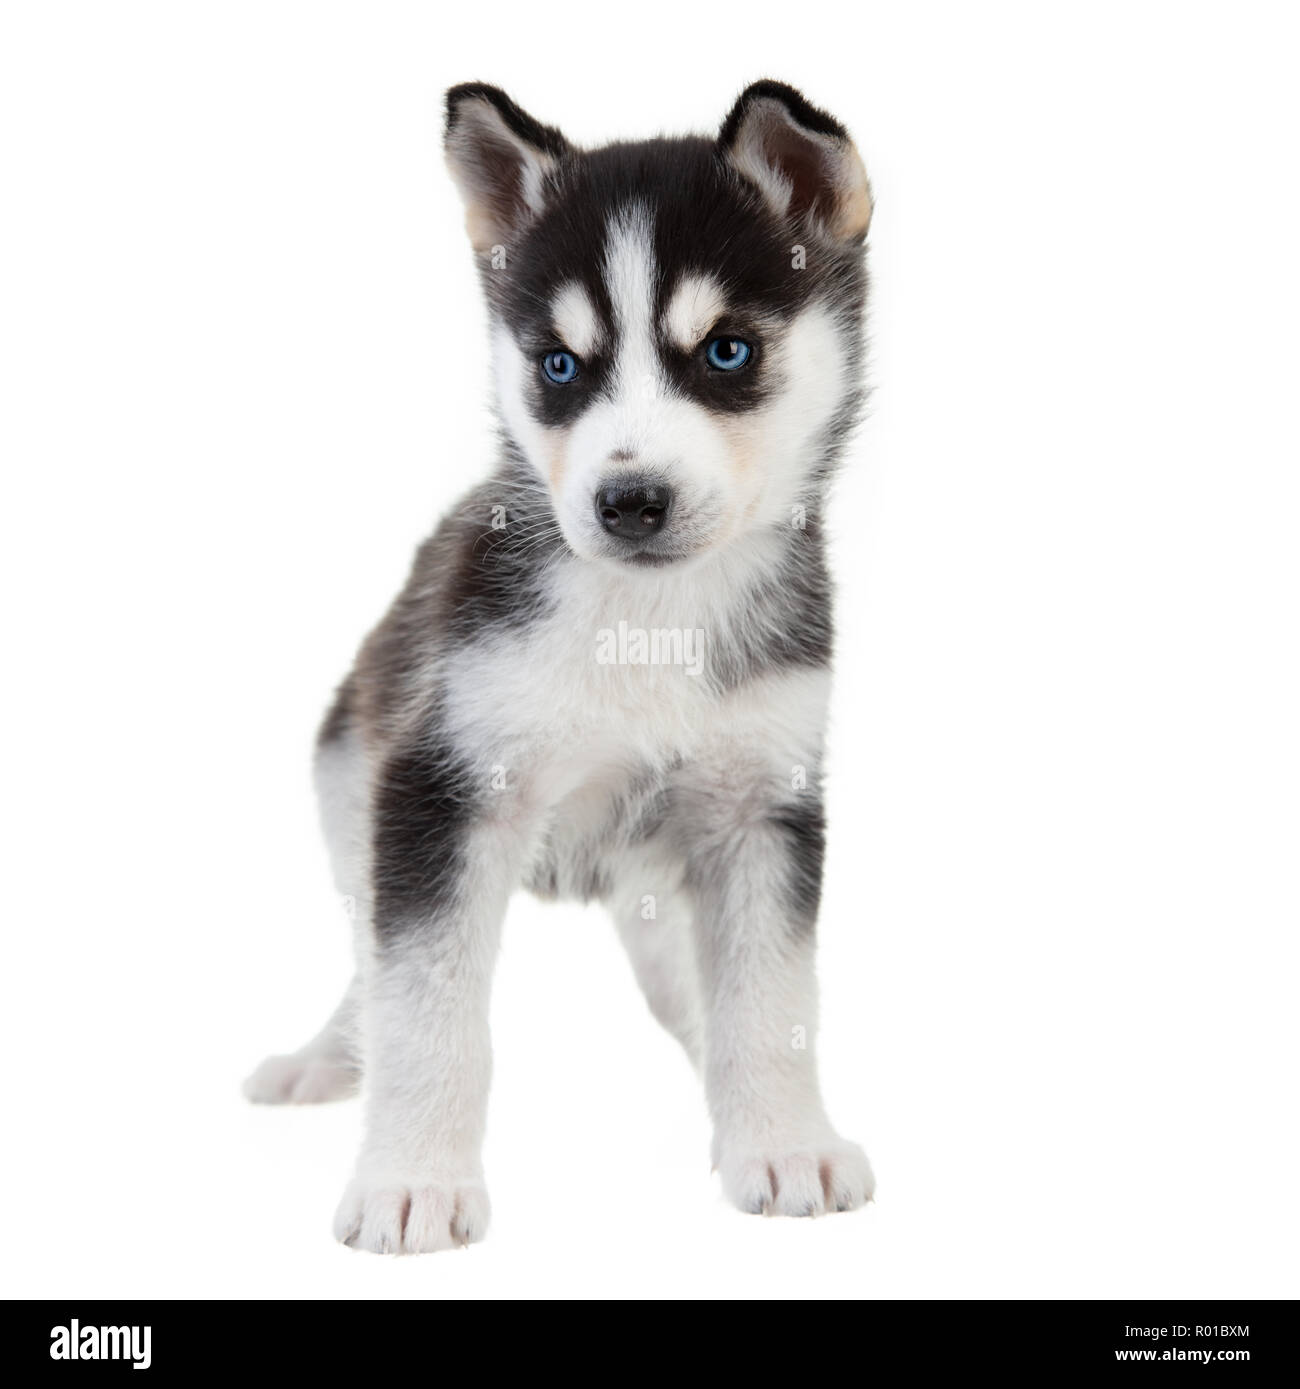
(412, 1217)
(301, 1080)
(821, 1176)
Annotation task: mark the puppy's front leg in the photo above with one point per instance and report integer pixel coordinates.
(757, 880)
(443, 873)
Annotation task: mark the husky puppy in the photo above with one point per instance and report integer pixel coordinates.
(607, 674)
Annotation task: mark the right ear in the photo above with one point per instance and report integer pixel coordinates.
(500, 158)
(799, 158)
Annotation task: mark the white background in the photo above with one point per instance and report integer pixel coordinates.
(243, 369)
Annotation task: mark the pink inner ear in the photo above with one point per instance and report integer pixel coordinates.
(804, 165)
(499, 180)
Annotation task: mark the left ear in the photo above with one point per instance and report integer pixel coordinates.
(801, 159)
(500, 158)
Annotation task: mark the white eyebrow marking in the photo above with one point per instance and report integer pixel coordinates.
(697, 304)
(575, 320)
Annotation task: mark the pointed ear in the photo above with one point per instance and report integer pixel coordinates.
(801, 159)
(500, 157)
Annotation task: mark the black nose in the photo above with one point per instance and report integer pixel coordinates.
(633, 512)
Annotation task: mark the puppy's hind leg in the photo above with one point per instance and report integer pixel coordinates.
(326, 1068)
(329, 1066)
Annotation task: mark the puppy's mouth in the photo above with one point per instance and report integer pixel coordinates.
(678, 547)
(650, 559)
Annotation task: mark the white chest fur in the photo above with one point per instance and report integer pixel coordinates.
(620, 681)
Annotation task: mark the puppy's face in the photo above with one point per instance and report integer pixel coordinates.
(677, 324)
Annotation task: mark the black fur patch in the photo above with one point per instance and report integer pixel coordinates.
(790, 621)
(789, 834)
(424, 801)
(803, 826)
(499, 572)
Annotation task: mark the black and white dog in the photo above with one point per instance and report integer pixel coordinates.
(607, 675)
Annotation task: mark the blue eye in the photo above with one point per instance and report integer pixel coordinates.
(727, 354)
(560, 367)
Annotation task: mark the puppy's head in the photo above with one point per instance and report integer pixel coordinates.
(677, 323)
